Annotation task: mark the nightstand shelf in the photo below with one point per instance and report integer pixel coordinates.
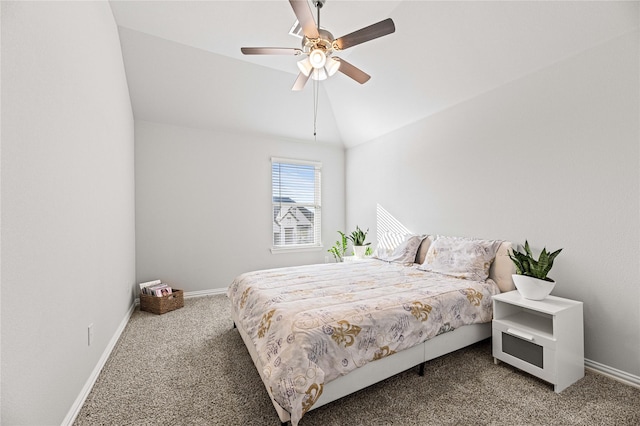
(530, 322)
(542, 337)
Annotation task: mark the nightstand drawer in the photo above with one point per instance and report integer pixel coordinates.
(523, 349)
(528, 353)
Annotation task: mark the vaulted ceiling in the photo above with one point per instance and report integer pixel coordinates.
(184, 66)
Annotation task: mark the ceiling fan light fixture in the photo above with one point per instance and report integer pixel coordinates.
(305, 66)
(332, 66)
(317, 58)
(319, 74)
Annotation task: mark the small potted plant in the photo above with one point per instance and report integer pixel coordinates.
(357, 237)
(531, 278)
(339, 248)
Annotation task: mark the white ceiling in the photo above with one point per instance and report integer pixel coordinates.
(184, 65)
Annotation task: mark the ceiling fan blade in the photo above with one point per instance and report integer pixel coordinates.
(305, 18)
(270, 51)
(300, 82)
(371, 32)
(350, 71)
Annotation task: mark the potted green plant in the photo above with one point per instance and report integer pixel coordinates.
(358, 237)
(531, 278)
(339, 248)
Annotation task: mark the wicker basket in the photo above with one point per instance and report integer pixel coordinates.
(164, 304)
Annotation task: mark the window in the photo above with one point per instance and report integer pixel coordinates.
(296, 204)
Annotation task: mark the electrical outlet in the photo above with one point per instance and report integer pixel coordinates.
(90, 334)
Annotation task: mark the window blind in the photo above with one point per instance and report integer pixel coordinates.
(296, 198)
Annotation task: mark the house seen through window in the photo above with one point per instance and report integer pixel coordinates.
(296, 203)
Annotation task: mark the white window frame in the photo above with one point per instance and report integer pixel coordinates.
(316, 206)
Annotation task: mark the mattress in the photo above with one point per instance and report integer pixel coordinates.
(312, 324)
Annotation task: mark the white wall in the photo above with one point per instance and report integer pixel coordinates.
(68, 237)
(203, 203)
(553, 158)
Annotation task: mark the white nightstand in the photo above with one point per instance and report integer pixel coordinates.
(542, 337)
(352, 259)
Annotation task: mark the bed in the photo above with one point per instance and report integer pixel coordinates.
(317, 333)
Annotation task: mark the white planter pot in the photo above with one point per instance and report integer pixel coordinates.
(358, 251)
(532, 288)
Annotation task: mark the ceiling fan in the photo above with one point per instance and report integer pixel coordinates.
(319, 45)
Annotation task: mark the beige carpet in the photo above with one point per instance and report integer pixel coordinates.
(190, 367)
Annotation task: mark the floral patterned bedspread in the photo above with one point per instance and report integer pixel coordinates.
(312, 324)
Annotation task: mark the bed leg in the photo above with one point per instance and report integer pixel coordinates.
(422, 368)
(234, 324)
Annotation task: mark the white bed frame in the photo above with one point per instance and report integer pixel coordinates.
(375, 371)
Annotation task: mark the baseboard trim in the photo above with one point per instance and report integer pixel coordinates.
(202, 293)
(613, 373)
(79, 402)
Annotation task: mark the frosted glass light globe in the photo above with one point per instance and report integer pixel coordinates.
(317, 58)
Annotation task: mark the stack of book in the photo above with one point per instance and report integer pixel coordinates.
(155, 288)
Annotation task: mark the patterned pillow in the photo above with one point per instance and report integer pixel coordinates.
(461, 257)
(403, 253)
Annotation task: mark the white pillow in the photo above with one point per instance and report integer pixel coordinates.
(460, 257)
(388, 243)
(405, 252)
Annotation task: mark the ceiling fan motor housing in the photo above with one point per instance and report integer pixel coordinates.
(324, 42)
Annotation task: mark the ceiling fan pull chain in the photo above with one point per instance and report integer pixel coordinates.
(316, 84)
